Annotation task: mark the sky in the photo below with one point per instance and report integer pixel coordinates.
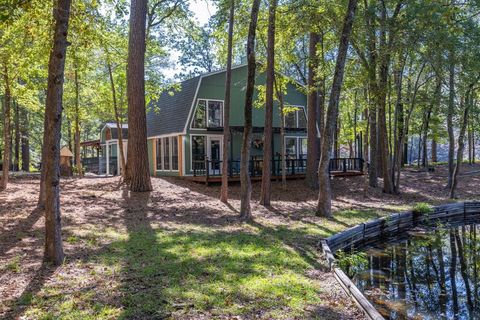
(203, 10)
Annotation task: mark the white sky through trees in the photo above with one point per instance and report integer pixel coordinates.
(203, 10)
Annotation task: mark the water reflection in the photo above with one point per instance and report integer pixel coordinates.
(432, 274)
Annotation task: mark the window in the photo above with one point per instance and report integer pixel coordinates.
(159, 154)
(199, 119)
(208, 114)
(296, 147)
(296, 119)
(215, 114)
(167, 154)
(174, 153)
(198, 148)
(291, 147)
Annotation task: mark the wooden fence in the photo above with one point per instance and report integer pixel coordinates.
(387, 227)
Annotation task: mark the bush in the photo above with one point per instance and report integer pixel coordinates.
(422, 208)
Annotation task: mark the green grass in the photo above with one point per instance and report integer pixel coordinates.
(259, 270)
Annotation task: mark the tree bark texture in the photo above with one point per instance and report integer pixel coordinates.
(246, 186)
(269, 91)
(312, 101)
(53, 124)
(137, 155)
(324, 205)
(6, 129)
(226, 107)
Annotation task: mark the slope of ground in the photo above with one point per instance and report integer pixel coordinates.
(179, 253)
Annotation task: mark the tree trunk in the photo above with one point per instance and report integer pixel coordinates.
(434, 150)
(324, 205)
(268, 130)
(117, 120)
(6, 129)
(384, 160)
(312, 100)
(16, 164)
(25, 141)
(138, 175)
(53, 124)
(78, 158)
(450, 113)
(226, 108)
(246, 186)
(461, 146)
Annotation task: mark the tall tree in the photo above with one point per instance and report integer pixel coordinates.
(324, 205)
(226, 108)
(269, 91)
(138, 175)
(53, 123)
(246, 185)
(312, 101)
(6, 128)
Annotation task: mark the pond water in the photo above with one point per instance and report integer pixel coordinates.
(429, 274)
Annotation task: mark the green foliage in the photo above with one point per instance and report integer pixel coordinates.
(422, 208)
(353, 262)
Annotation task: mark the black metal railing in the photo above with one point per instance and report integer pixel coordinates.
(293, 166)
(346, 165)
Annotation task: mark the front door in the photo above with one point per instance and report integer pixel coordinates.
(214, 153)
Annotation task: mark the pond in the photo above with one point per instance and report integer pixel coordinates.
(427, 274)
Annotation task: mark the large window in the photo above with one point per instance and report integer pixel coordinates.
(167, 154)
(296, 147)
(296, 119)
(208, 114)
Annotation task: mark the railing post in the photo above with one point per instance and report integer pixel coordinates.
(344, 164)
(207, 171)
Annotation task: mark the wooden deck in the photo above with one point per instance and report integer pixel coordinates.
(218, 179)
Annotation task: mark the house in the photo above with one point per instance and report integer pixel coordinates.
(185, 126)
(185, 131)
(110, 148)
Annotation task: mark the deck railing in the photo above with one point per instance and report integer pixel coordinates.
(293, 166)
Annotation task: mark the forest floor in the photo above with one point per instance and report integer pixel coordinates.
(179, 253)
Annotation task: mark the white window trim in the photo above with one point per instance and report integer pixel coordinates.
(162, 153)
(206, 113)
(219, 136)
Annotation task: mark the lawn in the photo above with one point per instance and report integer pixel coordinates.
(177, 253)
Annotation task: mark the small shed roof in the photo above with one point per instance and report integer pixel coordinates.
(65, 152)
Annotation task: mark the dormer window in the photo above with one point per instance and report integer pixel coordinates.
(296, 119)
(208, 114)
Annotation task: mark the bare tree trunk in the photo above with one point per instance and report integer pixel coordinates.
(25, 141)
(117, 120)
(78, 158)
(138, 174)
(382, 96)
(16, 164)
(53, 123)
(461, 146)
(434, 150)
(324, 205)
(312, 100)
(246, 185)
(268, 130)
(226, 109)
(6, 129)
(450, 113)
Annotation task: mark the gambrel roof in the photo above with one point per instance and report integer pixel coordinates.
(170, 112)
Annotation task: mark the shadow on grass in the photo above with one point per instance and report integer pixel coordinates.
(201, 272)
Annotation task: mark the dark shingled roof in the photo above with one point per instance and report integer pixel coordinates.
(169, 114)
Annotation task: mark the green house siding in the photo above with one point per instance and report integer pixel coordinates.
(212, 87)
(151, 160)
